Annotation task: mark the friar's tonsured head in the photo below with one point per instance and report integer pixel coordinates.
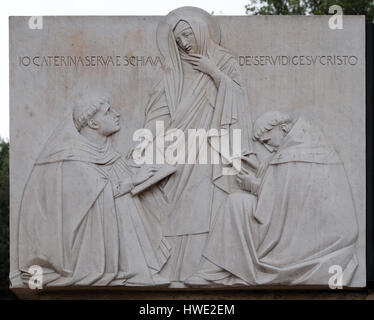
(97, 115)
(271, 128)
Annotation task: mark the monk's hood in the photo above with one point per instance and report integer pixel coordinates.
(305, 143)
(66, 143)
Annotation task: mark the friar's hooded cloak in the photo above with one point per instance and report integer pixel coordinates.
(72, 226)
(304, 221)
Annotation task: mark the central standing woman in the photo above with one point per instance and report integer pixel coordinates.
(199, 86)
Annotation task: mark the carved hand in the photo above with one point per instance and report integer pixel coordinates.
(143, 174)
(248, 182)
(203, 64)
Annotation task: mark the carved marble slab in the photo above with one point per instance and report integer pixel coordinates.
(187, 150)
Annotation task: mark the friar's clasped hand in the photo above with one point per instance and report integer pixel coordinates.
(248, 181)
(144, 174)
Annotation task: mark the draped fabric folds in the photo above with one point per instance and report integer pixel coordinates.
(184, 99)
(302, 223)
(188, 99)
(72, 226)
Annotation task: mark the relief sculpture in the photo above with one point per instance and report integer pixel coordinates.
(295, 219)
(78, 218)
(90, 216)
(199, 87)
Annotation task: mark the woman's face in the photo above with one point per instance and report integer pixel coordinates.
(186, 40)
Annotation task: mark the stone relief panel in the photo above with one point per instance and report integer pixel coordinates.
(187, 151)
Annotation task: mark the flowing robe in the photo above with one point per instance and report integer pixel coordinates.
(303, 223)
(185, 99)
(73, 225)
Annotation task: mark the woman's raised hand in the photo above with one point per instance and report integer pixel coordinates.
(202, 63)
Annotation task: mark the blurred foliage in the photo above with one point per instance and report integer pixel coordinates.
(4, 215)
(310, 7)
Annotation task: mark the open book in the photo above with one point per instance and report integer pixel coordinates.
(162, 173)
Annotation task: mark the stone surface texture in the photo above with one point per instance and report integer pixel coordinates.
(293, 86)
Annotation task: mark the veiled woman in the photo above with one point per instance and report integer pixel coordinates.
(198, 87)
